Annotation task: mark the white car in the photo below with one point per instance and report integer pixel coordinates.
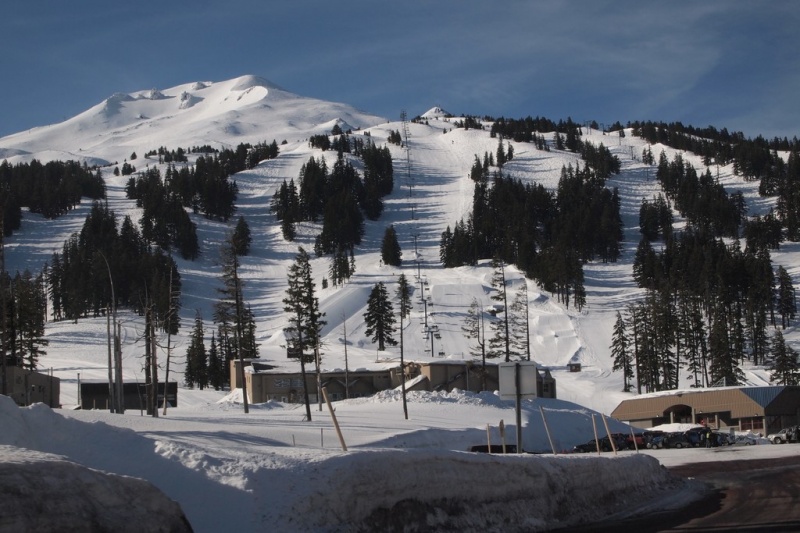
(785, 435)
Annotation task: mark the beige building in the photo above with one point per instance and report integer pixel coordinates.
(26, 387)
(759, 409)
(265, 382)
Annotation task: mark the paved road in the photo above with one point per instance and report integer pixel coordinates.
(751, 496)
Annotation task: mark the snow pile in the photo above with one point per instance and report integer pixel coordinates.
(426, 490)
(44, 492)
(230, 471)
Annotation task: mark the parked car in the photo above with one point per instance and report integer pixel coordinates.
(722, 439)
(653, 439)
(696, 436)
(635, 441)
(746, 439)
(785, 435)
(587, 447)
(677, 439)
(620, 443)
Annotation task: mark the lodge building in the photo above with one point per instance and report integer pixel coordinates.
(265, 382)
(759, 409)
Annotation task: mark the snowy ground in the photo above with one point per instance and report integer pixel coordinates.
(269, 468)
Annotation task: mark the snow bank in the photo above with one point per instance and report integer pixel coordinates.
(44, 492)
(225, 478)
(461, 491)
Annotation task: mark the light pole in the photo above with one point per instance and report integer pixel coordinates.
(114, 399)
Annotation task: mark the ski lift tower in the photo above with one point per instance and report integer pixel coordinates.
(409, 179)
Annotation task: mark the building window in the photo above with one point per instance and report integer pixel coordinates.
(753, 424)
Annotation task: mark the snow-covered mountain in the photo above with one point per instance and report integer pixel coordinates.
(265, 470)
(430, 194)
(224, 114)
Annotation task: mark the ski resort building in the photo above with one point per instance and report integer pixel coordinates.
(26, 387)
(758, 409)
(265, 382)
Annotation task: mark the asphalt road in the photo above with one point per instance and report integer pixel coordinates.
(750, 496)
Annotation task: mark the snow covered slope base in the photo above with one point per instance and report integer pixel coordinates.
(228, 480)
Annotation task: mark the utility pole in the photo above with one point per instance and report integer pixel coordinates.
(403, 368)
(238, 298)
(154, 364)
(3, 336)
(317, 364)
(118, 364)
(149, 345)
(112, 397)
(527, 322)
(170, 316)
(346, 369)
(406, 135)
(111, 311)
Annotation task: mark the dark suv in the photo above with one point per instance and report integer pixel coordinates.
(677, 439)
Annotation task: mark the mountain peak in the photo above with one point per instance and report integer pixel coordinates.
(249, 81)
(244, 109)
(435, 112)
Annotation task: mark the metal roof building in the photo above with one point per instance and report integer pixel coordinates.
(760, 409)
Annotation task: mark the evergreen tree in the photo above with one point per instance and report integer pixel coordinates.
(28, 319)
(379, 317)
(501, 153)
(241, 238)
(305, 317)
(313, 176)
(784, 365)
(217, 370)
(786, 301)
(724, 365)
(230, 314)
(341, 268)
(403, 294)
(390, 248)
(197, 364)
(621, 352)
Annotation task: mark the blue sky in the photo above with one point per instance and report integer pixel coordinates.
(732, 64)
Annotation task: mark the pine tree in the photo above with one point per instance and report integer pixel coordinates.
(784, 366)
(621, 352)
(403, 294)
(305, 317)
(29, 319)
(230, 314)
(724, 366)
(217, 370)
(786, 301)
(241, 238)
(391, 253)
(379, 317)
(197, 364)
(501, 153)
